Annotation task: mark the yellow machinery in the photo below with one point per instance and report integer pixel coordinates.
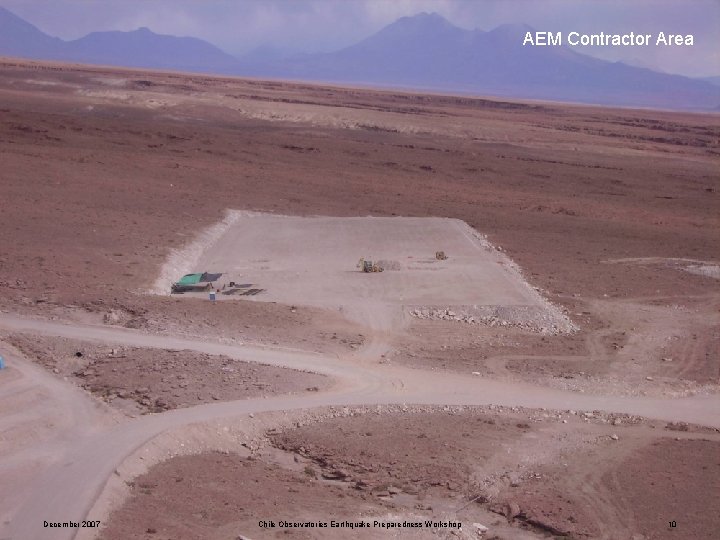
(368, 266)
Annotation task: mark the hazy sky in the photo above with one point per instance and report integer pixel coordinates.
(323, 25)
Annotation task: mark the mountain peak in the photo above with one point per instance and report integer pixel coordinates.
(20, 38)
(417, 31)
(422, 21)
(9, 20)
(512, 29)
(424, 15)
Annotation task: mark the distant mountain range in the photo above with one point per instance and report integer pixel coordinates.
(424, 51)
(140, 48)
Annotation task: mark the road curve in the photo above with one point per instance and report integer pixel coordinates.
(68, 489)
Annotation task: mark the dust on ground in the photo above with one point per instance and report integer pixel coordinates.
(558, 472)
(519, 473)
(312, 261)
(657, 346)
(214, 496)
(561, 189)
(137, 380)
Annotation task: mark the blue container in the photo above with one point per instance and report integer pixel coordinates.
(2, 362)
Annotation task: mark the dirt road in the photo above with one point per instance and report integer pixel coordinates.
(67, 489)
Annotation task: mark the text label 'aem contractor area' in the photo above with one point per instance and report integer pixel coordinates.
(557, 39)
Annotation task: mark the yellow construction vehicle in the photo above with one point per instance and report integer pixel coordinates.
(368, 266)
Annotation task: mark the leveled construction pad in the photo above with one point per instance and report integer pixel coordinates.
(313, 261)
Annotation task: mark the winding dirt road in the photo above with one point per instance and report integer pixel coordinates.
(91, 447)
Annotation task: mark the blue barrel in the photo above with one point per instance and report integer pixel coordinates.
(2, 362)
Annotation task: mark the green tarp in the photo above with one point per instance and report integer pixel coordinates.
(190, 279)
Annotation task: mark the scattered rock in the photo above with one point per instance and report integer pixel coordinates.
(677, 426)
(338, 474)
(511, 510)
(480, 528)
(112, 317)
(160, 403)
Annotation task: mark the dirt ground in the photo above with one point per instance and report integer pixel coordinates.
(523, 474)
(476, 284)
(610, 214)
(592, 203)
(626, 347)
(222, 496)
(566, 189)
(136, 380)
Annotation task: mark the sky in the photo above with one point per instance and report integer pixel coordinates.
(291, 26)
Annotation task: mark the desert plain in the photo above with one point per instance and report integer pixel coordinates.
(557, 376)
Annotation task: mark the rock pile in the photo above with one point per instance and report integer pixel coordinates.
(517, 317)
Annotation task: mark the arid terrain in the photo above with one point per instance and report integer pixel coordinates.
(558, 375)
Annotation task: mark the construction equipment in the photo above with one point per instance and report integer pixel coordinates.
(368, 266)
(440, 255)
